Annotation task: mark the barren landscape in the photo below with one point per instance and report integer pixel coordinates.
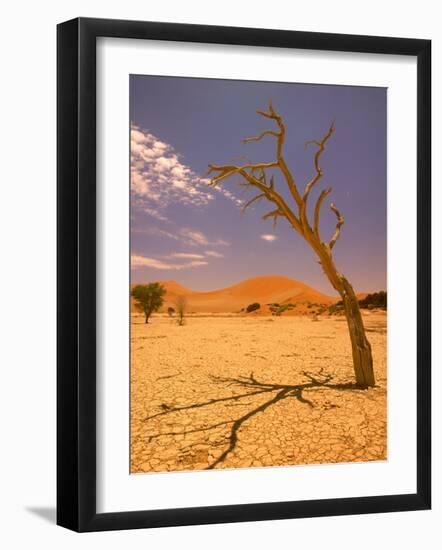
(248, 390)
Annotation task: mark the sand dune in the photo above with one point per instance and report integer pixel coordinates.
(264, 290)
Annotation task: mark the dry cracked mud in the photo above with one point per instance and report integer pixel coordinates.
(231, 392)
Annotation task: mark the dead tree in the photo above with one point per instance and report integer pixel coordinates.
(181, 306)
(257, 176)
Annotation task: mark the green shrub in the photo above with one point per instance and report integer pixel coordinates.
(253, 307)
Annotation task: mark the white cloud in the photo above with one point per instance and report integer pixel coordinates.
(186, 236)
(197, 238)
(269, 238)
(143, 261)
(159, 177)
(155, 214)
(214, 254)
(221, 242)
(187, 255)
(228, 195)
(156, 232)
(136, 136)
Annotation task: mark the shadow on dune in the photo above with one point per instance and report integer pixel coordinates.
(276, 393)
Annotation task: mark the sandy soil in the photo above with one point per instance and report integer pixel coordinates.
(228, 392)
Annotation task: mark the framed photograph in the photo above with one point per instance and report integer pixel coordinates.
(243, 274)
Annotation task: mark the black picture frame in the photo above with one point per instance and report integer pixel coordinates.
(76, 274)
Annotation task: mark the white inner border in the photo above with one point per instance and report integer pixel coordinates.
(116, 489)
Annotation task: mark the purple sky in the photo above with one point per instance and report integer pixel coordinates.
(182, 229)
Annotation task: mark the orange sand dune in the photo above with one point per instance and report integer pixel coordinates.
(265, 290)
(174, 290)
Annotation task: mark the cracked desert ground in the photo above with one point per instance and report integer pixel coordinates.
(233, 391)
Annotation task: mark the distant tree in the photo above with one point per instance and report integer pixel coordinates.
(170, 311)
(148, 298)
(181, 306)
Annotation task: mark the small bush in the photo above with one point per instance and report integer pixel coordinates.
(282, 309)
(253, 307)
(375, 300)
(277, 309)
(336, 309)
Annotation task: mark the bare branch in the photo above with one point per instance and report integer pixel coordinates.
(262, 174)
(224, 174)
(253, 200)
(319, 172)
(263, 113)
(269, 191)
(270, 114)
(339, 223)
(227, 171)
(321, 197)
(312, 141)
(273, 214)
(281, 162)
(261, 135)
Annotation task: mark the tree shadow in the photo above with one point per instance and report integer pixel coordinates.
(276, 392)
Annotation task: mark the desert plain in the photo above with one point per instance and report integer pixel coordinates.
(236, 389)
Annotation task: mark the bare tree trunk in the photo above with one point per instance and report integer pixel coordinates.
(360, 346)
